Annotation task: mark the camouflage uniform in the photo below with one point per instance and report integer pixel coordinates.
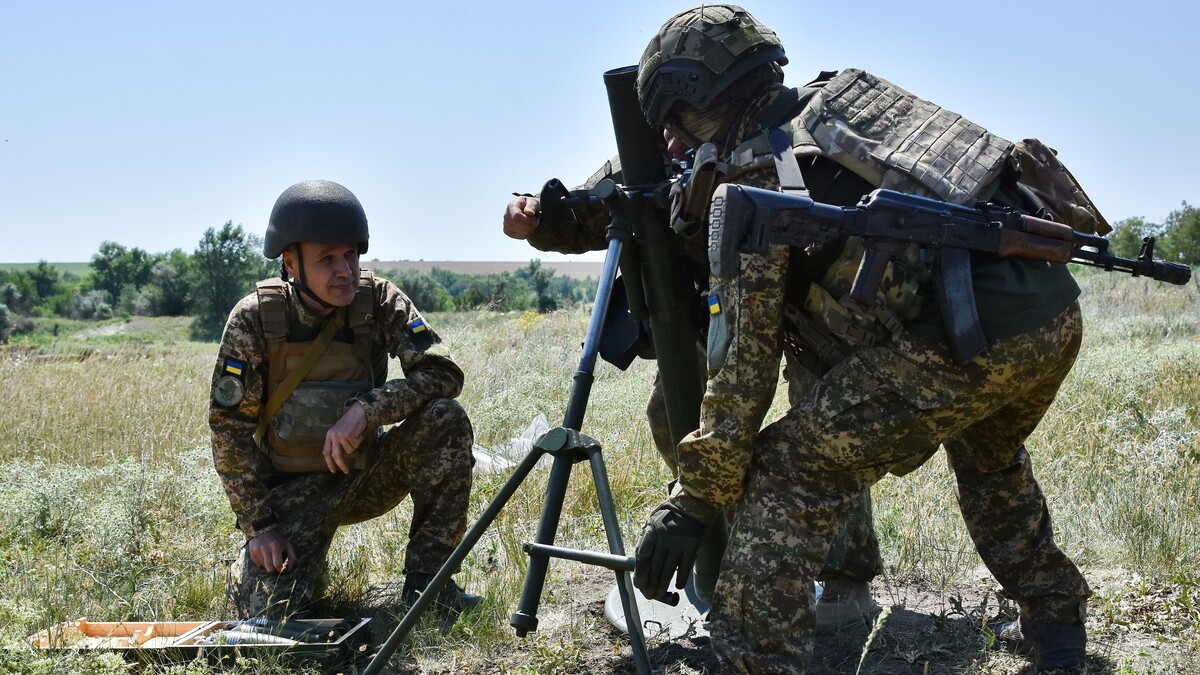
(884, 408)
(427, 453)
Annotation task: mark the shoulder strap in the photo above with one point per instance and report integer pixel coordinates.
(307, 361)
(791, 180)
(362, 317)
(272, 304)
(778, 137)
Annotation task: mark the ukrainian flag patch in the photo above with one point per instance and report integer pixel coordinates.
(417, 326)
(714, 304)
(233, 367)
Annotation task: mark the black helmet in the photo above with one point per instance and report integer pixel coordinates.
(315, 210)
(699, 53)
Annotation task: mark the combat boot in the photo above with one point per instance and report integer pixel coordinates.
(845, 603)
(1056, 647)
(451, 597)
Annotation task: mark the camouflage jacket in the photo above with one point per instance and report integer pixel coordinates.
(398, 331)
(746, 337)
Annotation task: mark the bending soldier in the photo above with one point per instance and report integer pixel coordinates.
(299, 395)
(891, 390)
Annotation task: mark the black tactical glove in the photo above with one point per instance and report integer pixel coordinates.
(670, 539)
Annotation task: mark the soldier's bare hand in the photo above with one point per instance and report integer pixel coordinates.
(520, 217)
(344, 437)
(272, 551)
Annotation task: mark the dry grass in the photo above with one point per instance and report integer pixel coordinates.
(112, 511)
(564, 268)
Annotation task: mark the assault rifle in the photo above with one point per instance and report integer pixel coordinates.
(747, 219)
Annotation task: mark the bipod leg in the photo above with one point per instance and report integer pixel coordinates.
(612, 530)
(568, 447)
(459, 554)
(525, 619)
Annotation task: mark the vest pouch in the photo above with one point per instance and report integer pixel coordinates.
(1057, 188)
(900, 297)
(297, 434)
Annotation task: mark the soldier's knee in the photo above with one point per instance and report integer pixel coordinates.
(444, 411)
(447, 431)
(447, 417)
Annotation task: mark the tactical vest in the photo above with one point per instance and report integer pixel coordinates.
(295, 437)
(897, 141)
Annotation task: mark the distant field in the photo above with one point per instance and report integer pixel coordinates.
(575, 270)
(77, 268)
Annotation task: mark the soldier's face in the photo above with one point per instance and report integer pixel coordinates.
(330, 270)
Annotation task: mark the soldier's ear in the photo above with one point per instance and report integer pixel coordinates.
(291, 256)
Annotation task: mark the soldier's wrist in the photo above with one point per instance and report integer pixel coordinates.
(261, 526)
(696, 508)
(367, 401)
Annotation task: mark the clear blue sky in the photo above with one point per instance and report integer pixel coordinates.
(146, 123)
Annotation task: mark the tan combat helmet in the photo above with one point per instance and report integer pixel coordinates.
(698, 54)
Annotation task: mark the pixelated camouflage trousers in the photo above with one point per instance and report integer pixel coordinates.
(887, 409)
(427, 456)
(854, 551)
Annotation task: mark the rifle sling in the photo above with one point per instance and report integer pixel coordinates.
(791, 181)
(956, 297)
(293, 378)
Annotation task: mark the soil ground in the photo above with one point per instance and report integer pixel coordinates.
(922, 631)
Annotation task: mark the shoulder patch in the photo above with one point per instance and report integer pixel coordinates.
(718, 331)
(421, 335)
(230, 388)
(228, 391)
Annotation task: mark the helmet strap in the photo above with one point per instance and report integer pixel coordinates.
(312, 295)
(301, 285)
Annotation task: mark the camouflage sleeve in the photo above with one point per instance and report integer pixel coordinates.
(744, 352)
(571, 237)
(587, 234)
(429, 371)
(234, 404)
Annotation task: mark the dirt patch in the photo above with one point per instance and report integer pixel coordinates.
(106, 330)
(923, 631)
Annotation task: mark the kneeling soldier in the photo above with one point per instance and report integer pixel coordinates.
(299, 394)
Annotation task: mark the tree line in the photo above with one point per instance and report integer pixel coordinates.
(1177, 238)
(207, 282)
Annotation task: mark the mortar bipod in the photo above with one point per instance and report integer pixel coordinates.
(568, 446)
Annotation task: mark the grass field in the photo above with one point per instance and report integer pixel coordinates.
(569, 268)
(111, 509)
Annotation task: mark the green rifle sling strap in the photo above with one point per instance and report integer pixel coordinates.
(307, 361)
